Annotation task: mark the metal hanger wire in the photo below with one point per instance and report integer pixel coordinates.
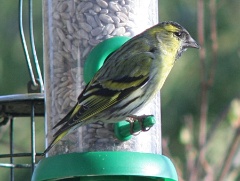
(24, 44)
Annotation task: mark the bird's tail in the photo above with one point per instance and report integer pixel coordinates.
(55, 140)
(60, 133)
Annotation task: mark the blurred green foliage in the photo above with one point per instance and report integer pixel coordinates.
(182, 89)
(181, 92)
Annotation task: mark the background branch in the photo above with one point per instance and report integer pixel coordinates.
(204, 88)
(230, 154)
(214, 48)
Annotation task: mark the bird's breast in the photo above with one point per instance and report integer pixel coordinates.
(160, 70)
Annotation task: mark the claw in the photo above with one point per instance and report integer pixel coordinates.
(131, 121)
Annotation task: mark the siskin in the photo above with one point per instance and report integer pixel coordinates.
(129, 78)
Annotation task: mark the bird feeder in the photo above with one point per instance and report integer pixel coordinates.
(78, 36)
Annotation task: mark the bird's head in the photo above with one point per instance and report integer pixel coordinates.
(173, 38)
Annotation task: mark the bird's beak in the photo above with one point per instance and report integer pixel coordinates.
(191, 43)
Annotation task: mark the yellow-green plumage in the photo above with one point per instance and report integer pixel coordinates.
(129, 78)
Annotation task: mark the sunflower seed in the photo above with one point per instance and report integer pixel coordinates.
(91, 21)
(95, 125)
(69, 27)
(62, 7)
(86, 6)
(80, 5)
(124, 10)
(96, 31)
(93, 42)
(56, 16)
(123, 17)
(102, 3)
(114, 6)
(68, 44)
(92, 12)
(63, 84)
(65, 103)
(102, 140)
(119, 31)
(97, 20)
(82, 34)
(115, 19)
(103, 132)
(105, 18)
(104, 11)
(65, 16)
(60, 34)
(85, 26)
(91, 130)
(108, 29)
(96, 8)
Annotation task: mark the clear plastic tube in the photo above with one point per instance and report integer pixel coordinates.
(71, 29)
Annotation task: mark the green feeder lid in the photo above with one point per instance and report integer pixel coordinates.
(106, 166)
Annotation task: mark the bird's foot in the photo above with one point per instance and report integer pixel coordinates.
(140, 119)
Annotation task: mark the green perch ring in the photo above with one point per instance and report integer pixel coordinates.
(93, 63)
(122, 128)
(99, 54)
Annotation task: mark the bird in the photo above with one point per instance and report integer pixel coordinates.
(129, 78)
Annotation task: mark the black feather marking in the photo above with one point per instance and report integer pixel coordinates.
(127, 79)
(98, 90)
(153, 49)
(105, 92)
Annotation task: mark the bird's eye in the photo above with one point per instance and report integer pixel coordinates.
(179, 34)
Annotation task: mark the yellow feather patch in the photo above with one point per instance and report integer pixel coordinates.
(171, 28)
(103, 104)
(60, 137)
(122, 85)
(77, 108)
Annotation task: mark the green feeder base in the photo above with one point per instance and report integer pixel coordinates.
(105, 166)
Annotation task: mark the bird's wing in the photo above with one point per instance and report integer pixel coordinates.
(102, 93)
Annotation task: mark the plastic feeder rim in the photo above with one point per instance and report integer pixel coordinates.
(110, 166)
